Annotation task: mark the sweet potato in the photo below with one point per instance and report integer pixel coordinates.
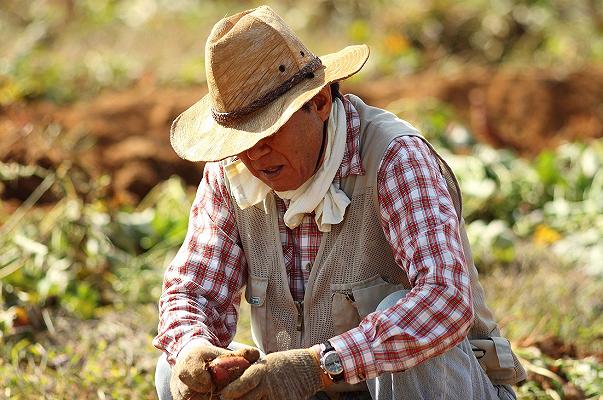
(226, 369)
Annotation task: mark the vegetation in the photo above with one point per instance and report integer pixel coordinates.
(61, 50)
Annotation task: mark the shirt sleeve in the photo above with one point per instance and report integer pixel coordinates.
(421, 226)
(202, 285)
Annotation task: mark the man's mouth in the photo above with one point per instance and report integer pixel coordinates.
(272, 172)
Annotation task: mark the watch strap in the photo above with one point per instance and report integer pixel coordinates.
(327, 347)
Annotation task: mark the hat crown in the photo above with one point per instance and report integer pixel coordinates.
(248, 55)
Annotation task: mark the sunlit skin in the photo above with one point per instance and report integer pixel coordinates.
(287, 159)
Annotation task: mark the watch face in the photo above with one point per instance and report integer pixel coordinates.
(332, 363)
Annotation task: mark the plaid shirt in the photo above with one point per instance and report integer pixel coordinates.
(202, 286)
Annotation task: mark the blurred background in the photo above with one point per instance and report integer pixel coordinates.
(94, 202)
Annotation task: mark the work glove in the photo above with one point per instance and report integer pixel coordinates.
(291, 375)
(191, 380)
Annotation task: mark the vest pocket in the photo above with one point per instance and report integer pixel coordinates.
(345, 314)
(370, 296)
(495, 356)
(351, 302)
(255, 295)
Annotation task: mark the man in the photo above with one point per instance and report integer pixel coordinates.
(342, 225)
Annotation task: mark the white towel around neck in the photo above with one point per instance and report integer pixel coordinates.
(317, 194)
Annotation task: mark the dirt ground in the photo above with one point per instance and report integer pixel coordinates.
(125, 134)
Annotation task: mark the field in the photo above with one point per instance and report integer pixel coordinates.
(94, 203)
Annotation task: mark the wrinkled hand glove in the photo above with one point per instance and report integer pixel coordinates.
(291, 375)
(191, 379)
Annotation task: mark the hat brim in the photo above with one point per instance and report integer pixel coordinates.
(196, 136)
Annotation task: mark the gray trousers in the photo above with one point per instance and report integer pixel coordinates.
(455, 374)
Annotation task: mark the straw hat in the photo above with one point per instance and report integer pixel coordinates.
(258, 74)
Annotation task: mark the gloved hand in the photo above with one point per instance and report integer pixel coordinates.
(191, 379)
(292, 375)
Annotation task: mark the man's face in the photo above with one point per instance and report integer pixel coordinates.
(287, 159)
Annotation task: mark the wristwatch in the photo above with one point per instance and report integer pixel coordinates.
(331, 363)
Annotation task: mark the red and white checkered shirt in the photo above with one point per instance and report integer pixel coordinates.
(202, 286)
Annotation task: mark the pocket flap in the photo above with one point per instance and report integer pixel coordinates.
(496, 352)
(495, 356)
(255, 292)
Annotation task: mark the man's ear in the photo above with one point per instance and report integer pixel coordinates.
(323, 101)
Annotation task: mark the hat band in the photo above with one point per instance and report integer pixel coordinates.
(307, 72)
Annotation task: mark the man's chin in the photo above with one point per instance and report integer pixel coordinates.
(280, 183)
(281, 186)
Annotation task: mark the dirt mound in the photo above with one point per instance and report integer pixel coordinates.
(525, 110)
(530, 110)
(123, 134)
(126, 134)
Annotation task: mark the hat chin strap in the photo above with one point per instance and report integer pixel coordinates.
(322, 146)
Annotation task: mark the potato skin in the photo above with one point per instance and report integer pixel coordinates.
(226, 369)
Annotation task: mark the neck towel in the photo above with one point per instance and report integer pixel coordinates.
(318, 194)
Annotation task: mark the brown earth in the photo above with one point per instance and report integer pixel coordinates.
(125, 134)
(525, 110)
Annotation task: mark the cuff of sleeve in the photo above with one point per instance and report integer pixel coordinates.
(354, 350)
(188, 346)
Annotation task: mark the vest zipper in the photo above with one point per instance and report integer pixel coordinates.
(300, 316)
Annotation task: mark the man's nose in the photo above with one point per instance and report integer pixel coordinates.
(259, 150)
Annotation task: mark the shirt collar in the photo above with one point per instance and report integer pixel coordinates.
(351, 163)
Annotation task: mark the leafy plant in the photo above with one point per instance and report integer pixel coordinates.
(81, 256)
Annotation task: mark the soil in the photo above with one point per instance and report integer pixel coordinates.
(524, 110)
(126, 134)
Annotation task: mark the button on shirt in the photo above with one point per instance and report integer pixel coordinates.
(202, 286)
